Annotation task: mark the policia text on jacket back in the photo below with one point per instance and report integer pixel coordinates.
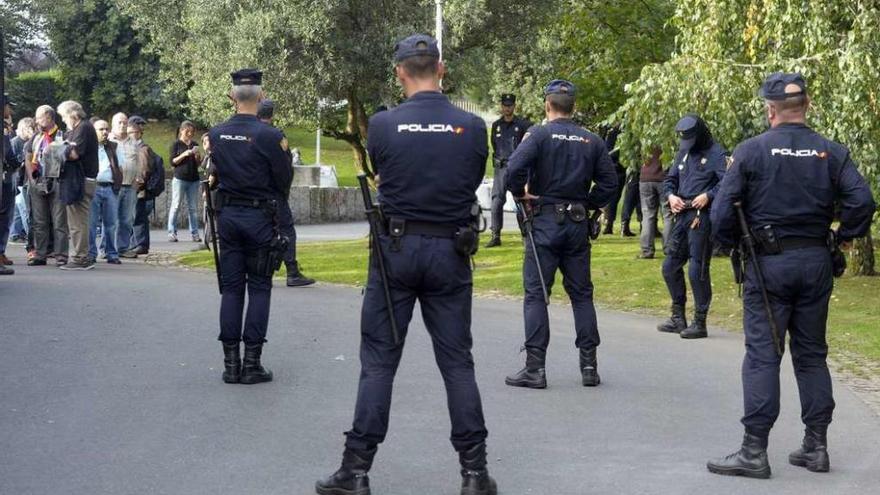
(252, 170)
(788, 181)
(430, 157)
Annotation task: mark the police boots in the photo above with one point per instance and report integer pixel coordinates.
(750, 461)
(813, 454)
(697, 329)
(495, 240)
(533, 375)
(589, 368)
(351, 478)
(475, 479)
(252, 371)
(295, 278)
(676, 323)
(626, 232)
(232, 362)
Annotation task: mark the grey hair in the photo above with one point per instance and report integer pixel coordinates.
(248, 93)
(70, 107)
(23, 125)
(45, 109)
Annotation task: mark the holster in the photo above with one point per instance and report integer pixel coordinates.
(838, 259)
(577, 212)
(767, 240)
(466, 241)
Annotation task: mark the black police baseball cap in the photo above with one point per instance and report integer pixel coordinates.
(687, 131)
(247, 77)
(774, 86)
(266, 109)
(508, 99)
(559, 87)
(414, 46)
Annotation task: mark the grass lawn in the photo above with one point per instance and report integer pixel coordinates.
(623, 283)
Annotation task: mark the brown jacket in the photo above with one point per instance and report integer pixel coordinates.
(143, 170)
(110, 149)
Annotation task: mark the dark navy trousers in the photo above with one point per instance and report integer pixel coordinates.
(243, 232)
(429, 270)
(799, 284)
(285, 226)
(689, 246)
(564, 247)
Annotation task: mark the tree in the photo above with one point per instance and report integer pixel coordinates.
(724, 50)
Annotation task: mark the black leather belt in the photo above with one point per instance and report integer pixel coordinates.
(246, 203)
(411, 227)
(791, 243)
(551, 207)
(105, 184)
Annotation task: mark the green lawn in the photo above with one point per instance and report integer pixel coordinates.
(623, 283)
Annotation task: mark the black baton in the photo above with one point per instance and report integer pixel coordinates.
(209, 207)
(527, 227)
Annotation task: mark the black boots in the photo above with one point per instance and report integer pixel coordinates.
(232, 362)
(351, 478)
(813, 454)
(475, 479)
(252, 371)
(750, 460)
(676, 323)
(626, 232)
(589, 368)
(295, 278)
(533, 375)
(495, 240)
(697, 328)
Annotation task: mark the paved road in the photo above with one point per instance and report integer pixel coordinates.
(111, 385)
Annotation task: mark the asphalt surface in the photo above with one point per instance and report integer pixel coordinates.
(111, 385)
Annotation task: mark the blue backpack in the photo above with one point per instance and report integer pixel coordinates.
(156, 181)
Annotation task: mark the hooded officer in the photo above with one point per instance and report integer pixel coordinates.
(790, 181)
(295, 277)
(252, 169)
(430, 156)
(559, 162)
(507, 133)
(690, 187)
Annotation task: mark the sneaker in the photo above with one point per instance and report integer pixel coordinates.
(196, 238)
(36, 261)
(172, 237)
(60, 260)
(79, 266)
(5, 261)
(130, 254)
(645, 256)
(5, 270)
(114, 261)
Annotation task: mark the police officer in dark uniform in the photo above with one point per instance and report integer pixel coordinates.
(7, 166)
(507, 133)
(690, 187)
(252, 170)
(790, 181)
(553, 169)
(430, 157)
(295, 277)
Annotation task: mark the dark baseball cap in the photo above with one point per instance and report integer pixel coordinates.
(266, 109)
(559, 87)
(774, 86)
(414, 46)
(508, 99)
(247, 77)
(137, 120)
(687, 131)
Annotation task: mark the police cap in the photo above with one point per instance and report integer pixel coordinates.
(247, 77)
(774, 86)
(508, 99)
(559, 87)
(687, 131)
(266, 109)
(414, 46)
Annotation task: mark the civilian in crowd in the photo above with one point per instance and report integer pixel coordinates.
(77, 184)
(185, 159)
(49, 217)
(651, 180)
(140, 242)
(24, 132)
(127, 157)
(104, 209)
(7, 201)
(630, 202)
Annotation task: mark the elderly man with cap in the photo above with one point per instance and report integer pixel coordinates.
(789, 181)
(8, 164)
(690, 187)
(295, 277)
(507, 132)
(431, 156)
(560, 172)
(251, 171)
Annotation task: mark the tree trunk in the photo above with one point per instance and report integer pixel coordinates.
(357, 128)
(861, 260)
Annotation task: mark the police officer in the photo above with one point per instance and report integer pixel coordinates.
(507, 133)
(8, 164)
(690, 187)
(295, 277)
(252, 168)
(430, 157)
(790, 181)
(553, 169)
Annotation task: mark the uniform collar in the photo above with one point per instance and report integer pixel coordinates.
(242, 116)
(790, 125)
(427, 95)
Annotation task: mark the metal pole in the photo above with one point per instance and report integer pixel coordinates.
(318, 146)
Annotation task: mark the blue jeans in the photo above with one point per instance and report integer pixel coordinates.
(125, 218)
(7, 206)
(20, 225)
(191, 189)
(103, 212)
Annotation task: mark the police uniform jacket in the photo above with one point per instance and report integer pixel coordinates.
(558, 161)
(506, 136)
(790, 177)
(696, 172)
(430, 157)
(250, 158)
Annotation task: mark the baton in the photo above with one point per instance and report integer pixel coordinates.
(527, 227)
(373, 217)
(749, 242)
(209, 207)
